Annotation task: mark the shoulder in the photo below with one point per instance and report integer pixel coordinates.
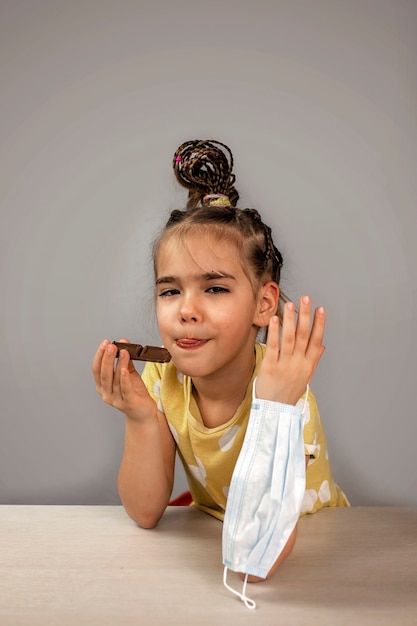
(156, 375)
(309, 408)
(166, 386)
(260, 349)
(161, 371)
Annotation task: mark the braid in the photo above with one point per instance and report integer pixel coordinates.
(272, 256)
(175, 217)
(205, 167)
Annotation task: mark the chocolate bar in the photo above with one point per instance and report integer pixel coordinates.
(138, 352)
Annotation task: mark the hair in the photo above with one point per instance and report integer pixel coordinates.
(205, 169)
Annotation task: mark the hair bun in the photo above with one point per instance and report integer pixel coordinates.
(205, 167)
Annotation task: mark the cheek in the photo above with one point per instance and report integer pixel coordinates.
(162, 316)
(234, 322)
(161, 312)
(166, 316)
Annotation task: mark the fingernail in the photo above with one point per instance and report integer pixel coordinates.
(306, 300)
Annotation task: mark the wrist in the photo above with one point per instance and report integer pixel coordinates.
(142, 420)
(286, 399)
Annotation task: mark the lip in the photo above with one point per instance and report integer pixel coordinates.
(190, 343)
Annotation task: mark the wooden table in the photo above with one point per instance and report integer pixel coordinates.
(91, 565)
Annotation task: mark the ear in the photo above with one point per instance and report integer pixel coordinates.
(268, 297)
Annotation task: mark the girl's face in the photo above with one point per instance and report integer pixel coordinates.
(208, 314)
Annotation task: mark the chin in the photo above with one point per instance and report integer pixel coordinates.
(194, 370)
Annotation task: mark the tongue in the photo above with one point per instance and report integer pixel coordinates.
(190, 342)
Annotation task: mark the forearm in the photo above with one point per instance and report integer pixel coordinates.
(284, 554)
(147, 471)
(286, 551)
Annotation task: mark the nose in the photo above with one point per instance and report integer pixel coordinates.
(189, 310)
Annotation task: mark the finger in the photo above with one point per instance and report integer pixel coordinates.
(315, 345)
(272, 341)
(302, 333)
(107, 368)
(288, 330)
(131, 389)
(96, 366)
(130, 365)
(313, 369)
(126, 389)
(123, 361)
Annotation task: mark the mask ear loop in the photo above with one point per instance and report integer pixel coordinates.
(248, 602)
(303, 410)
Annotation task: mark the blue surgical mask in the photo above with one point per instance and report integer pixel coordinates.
(266, 491)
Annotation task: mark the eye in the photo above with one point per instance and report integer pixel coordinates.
(167, 293)
(217, 289)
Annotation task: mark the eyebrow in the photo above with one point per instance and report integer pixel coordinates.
(206, 276)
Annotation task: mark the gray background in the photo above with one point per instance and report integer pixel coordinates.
(317, 100)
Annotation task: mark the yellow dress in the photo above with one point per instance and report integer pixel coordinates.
(209, 454)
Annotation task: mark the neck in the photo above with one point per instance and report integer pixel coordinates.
(219, 397)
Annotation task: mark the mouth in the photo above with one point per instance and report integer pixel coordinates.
(190, 343)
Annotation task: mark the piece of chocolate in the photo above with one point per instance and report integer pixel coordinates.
(138, 352)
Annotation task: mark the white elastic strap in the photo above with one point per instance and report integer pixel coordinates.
(303, 410)
(249, 603)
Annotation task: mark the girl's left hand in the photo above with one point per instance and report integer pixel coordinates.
(290, 360)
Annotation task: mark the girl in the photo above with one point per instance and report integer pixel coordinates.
(217, 273)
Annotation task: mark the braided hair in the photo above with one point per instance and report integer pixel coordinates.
(204, 168)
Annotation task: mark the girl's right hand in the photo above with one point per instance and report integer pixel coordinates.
(120, 385)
